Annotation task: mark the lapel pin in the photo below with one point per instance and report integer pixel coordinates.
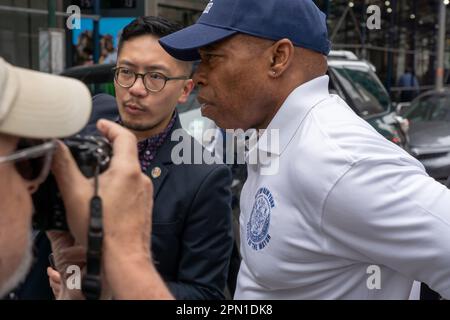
(156, 172)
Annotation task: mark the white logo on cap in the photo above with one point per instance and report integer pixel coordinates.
(208, 7)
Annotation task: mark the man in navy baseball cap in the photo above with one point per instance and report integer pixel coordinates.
(263, 66)
(300, 21)
(253, 54)
(310, 224)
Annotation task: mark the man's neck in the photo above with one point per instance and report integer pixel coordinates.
(282, 94)
(143, 135)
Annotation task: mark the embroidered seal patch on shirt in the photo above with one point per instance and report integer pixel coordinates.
(258, 236)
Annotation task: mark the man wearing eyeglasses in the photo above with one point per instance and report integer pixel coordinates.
(192, 232)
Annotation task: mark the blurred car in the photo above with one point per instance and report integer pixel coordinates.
(356, 82)
(429, 132)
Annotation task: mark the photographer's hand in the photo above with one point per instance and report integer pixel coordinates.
(54, 278)
(66, 255)
(76, 191)
(127, 196)
(123, 187)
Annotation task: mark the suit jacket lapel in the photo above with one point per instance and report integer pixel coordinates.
(159, 169)
(158, 174)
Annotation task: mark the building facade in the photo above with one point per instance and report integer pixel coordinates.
(406, 39)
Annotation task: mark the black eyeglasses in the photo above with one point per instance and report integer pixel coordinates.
(32, 159)
(153, 81)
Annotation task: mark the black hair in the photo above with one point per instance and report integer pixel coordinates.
(154, 26)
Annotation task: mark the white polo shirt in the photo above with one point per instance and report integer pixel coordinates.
(349, 215)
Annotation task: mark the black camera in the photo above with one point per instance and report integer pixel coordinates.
(92, 154)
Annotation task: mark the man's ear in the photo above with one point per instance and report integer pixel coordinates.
(282, 54)
(187, 89)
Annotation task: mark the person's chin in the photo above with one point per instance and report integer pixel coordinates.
(216, 117)
(210, 112)
(21, 271)
(137, 126)
(132, 123)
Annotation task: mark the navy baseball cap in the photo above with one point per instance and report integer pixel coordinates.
(297, 20)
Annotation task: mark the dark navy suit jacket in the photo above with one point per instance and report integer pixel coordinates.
(192, 235)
